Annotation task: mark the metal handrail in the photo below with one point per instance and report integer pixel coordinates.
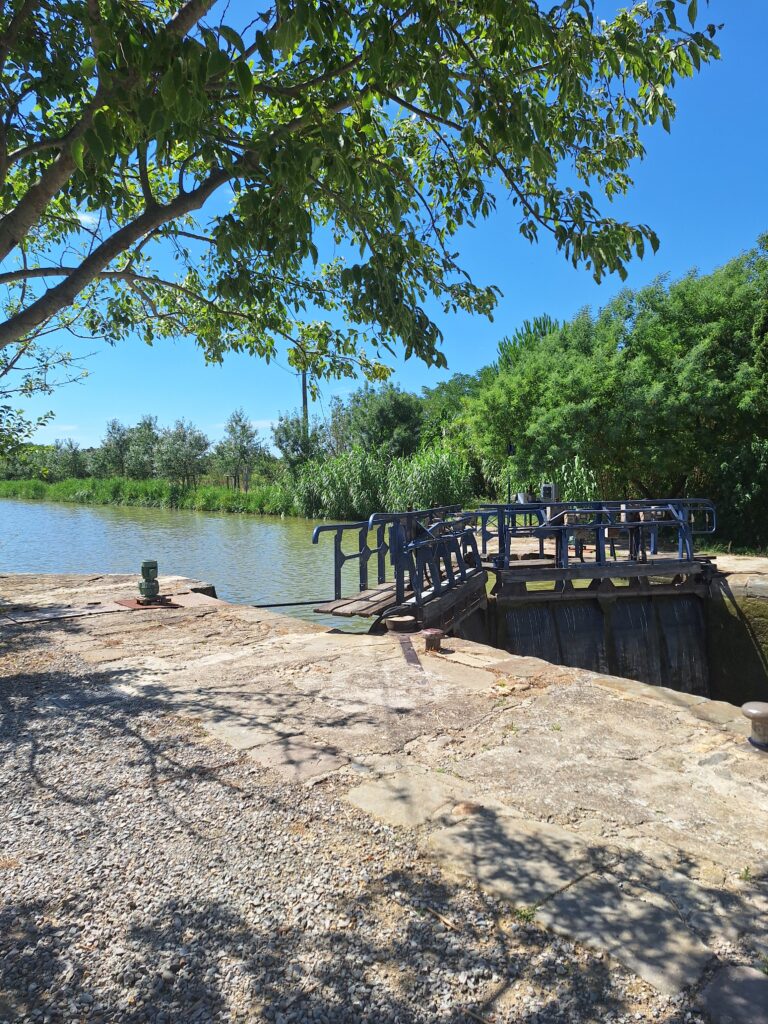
(427, 561)
(639, 519)
(363, 553)
(433, 549)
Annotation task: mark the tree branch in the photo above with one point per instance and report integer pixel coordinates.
(15, 225)
(146, 187)
(63, 294)
(188, 16)
(12, 32)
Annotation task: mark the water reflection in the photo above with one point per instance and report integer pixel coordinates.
(250, 559)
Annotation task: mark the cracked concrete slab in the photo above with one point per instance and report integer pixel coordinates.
(736, 995)
(407, 799)
(514, 859)
(642, 935)
(295, 759)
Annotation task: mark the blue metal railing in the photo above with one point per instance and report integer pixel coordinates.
(363, 554)
(600, 523)
(433, 560)
(431, 550)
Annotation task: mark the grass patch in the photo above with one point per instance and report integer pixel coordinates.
(263, 499)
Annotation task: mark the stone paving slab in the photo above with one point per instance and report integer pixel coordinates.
(406, 799)
(718, 712)
(19, 616)
(715, 915)
(296, 759)
(683, 700)
(736, 995)
(514, 859)
(648, 939)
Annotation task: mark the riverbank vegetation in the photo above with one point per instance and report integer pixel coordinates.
(662, 393)
(351, 485)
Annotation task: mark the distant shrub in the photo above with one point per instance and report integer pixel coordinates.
(350, 486)
(431, 477)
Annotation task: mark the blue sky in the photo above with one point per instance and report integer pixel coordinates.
(704, 189)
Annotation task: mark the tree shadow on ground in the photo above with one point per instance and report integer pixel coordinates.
(379, 951)
(252, 703)
(203, 961)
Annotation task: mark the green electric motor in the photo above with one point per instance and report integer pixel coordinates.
(149, 588)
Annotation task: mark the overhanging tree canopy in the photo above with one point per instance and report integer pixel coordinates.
(164, 169)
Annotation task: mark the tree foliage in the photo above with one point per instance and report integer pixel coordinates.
(240, 450)
(165, 168)
(662, 393)
(442, 404)
(110, 457)
(298, 441)
(182, 452)
(527, 335)
(141, 451)
(387, 420)
(28, 369)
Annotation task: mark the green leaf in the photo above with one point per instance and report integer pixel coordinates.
(287, 36)
(94, 145)
(78, 150)
(693, 10)
(262, 45)
(104, 131)
(168, 88)
(232, 37)
(244, 79)
(218, 63)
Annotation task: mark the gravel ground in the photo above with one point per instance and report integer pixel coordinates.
(149, 873)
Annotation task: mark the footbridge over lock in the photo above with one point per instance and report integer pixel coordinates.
(612, 586)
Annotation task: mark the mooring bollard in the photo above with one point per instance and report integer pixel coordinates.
(757, 713)
(432, 639)
(401, 623)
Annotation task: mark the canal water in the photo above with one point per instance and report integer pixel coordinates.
(249, 559)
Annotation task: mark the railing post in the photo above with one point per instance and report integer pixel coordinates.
(398, 560)
(338, 561)
(381, 553)
(600, 541)
(365, 553)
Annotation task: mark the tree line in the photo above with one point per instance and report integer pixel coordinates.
(662, 393)
(182, 454)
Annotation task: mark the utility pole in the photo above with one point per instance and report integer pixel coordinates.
(304, 406)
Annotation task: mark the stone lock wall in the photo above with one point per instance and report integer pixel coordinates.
(714, 645)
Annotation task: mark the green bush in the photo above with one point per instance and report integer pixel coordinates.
(266, 498)
(31, 489)
(429, 478)
(357, 483)
(350, 486)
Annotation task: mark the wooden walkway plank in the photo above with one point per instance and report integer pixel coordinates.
(524, 572)
(371, 603)
(366, 603)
